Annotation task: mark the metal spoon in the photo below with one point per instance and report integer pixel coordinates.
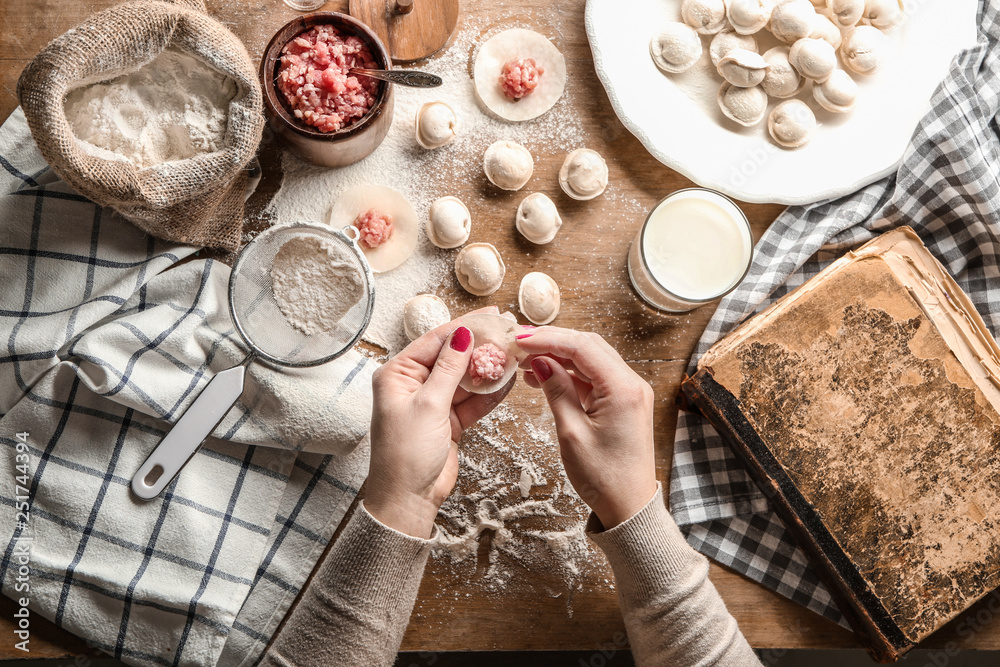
(404, 77)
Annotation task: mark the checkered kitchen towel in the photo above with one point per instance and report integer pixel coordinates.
(947, 189)
(105, 338)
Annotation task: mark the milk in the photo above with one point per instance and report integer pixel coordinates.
(695, 246)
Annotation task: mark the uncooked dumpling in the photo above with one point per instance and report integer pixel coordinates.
(782, 80)
(749, 16)
(676, 49)
(584, 174)
(883, 14)
(508, 165)
(497, 331)
(792, 20)
(707, 17)
(863, 49)
(791, 123)
(846, 13)
(423, 313)
(838, 94)
(538, 298)
(512, 45)
(537, 218)
(745, 106)
(362, 200)
(480, 269)
(743, 68)
(813, 58)
(435, 125)
(449, 222)
(726, 41)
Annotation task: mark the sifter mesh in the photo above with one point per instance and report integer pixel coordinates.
(261, 323)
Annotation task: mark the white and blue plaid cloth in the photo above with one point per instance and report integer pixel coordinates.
(948, 190)
(105, 337)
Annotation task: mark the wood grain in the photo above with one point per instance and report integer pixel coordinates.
(588, 260)
(410, 30)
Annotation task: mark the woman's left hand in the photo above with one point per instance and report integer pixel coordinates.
(419, 416)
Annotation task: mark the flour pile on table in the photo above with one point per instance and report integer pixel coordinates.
(308, 192)
(514, 511)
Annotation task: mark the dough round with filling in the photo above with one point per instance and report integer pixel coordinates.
(538, 298)
(791, 123)
(449, 222)
(480, 269)
(584, 174)
(500, 331)
(423, 313)
(508, 165)
(813, 58)
(537, 218)
(510, 45)
(361, 199)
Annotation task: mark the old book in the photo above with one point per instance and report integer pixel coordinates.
(865, 405)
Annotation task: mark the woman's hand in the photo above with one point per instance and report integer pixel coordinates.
(419, 416)
(604, 419)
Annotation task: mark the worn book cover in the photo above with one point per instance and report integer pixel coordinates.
(865, 404)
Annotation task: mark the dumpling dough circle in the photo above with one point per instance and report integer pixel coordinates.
(435, 125)
(584, 174)
(355, 201)
(537, 218)
(538, 298)
(449, 222)
(508, 165)
(480, 269)
(502, 332)
(423, 313)
(506, 46)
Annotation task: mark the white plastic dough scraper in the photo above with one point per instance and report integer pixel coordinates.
(268, 335)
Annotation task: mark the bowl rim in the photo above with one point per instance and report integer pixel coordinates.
(269, 62)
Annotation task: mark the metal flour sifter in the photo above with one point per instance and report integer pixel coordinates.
(268, 335)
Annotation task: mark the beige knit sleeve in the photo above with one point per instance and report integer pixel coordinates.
(357, 607)
(673, 614)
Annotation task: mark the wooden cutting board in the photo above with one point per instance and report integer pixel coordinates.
(411, 29)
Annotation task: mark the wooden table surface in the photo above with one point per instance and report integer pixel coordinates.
(593, 244)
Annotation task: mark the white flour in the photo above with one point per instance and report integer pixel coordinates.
(173, 108)
(514, 511)
(308, 193)
(315, 283)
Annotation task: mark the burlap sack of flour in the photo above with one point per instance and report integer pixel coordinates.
(196, 201)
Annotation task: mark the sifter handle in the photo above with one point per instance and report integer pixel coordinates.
(187, 435)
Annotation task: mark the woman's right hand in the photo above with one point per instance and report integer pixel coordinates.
(604, 419)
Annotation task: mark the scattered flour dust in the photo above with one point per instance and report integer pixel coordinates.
(140, 117)
(514, 511)
(315, 283)
(307, 192)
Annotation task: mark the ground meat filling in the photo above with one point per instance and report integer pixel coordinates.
(488, 364)
(314, 80)
(375, 227)
(519, 77)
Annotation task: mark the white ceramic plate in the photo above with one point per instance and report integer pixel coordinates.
(676, 116)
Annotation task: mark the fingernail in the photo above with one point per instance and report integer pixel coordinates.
(523, 336)
(528, 326)
(460, 339)
(541, 368)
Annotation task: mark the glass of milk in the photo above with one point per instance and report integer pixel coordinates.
(694, 247)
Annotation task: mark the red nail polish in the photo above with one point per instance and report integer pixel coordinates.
(460, 339)
(522, 336)
(541, 368)
(528, 326)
